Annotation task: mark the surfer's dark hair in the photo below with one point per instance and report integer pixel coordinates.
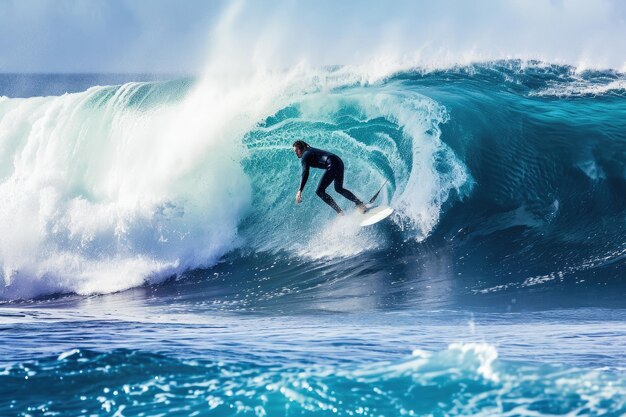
(300, 144)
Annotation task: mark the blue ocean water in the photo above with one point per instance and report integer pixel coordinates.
(154, 261)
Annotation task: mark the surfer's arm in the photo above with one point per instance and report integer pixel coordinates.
(305, 174)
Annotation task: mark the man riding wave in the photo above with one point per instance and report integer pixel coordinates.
(333, 165)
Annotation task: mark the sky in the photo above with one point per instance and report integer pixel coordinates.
(168, 36)
(105, 35)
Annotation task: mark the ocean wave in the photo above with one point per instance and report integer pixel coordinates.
(116, 186)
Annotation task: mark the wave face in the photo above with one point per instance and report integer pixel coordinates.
(109, 188)
(465, 379)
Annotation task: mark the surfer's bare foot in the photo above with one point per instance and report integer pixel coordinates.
(361, 208)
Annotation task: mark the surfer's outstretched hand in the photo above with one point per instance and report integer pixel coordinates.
(299, 197)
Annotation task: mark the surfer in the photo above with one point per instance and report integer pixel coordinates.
(333, 165)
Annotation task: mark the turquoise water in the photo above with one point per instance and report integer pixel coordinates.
(130, 355)
(154, 261)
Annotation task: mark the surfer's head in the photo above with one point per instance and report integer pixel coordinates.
(299, 147)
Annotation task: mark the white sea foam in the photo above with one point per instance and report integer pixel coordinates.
(580, 89)
(340, 238)
(479, 359)
(99, 197)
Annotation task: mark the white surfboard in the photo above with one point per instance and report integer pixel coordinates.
(375, 214)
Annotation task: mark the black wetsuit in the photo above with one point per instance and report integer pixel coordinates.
(318, 158)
